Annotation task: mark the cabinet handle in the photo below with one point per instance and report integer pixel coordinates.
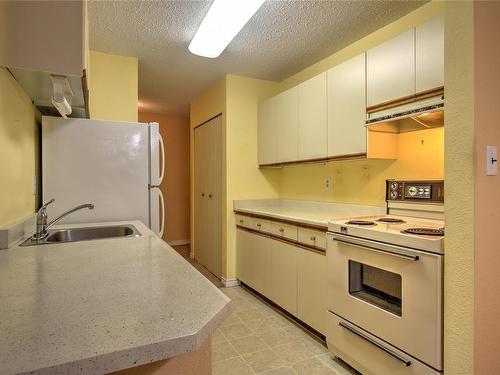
(313, 238)
(202, 194)
(282, 230)
(259, 225)
(210, 195)
(241, 221)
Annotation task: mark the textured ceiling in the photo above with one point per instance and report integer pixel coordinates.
(281, 39)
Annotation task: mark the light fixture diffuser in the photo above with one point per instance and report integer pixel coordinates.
(223, 22)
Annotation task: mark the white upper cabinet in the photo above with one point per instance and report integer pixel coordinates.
(44, 36)
(287, 126)
(312, 113)
(266, 131)
(347, 108)
(391, 69)
(429, 53)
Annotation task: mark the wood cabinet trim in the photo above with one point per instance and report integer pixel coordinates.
(362, 155)
(406, 100)
(285, 221)
(284, 240)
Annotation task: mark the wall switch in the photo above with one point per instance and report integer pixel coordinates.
(491, 161)
(328, 183)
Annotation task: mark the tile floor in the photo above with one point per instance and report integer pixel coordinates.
(257, 339)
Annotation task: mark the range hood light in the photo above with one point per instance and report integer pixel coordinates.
(223, 22)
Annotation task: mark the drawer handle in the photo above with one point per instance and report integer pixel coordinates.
(259, 225)
(282, 230)
(241, 221)
(389, 351)
(313, 238)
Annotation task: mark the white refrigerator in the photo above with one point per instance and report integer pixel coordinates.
(114, 165)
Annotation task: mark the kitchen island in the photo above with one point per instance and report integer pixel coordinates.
(96, 307)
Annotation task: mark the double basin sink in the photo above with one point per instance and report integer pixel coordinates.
(84, 234)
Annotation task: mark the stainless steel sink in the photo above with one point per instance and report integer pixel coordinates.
(85, 234)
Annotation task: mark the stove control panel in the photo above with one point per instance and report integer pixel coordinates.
(415, 190)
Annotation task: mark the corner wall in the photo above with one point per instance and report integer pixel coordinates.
(175, 186)
(113, 87)
(487, 189)
(459, 187)
(18, 151)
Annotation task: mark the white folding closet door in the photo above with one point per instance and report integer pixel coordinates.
(207, 199)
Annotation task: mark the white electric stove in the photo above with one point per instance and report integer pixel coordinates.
(385, 277)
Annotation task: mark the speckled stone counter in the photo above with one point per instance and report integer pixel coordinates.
(305, 212)
(94, 307)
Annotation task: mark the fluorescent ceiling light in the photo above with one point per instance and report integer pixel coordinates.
(223, 22)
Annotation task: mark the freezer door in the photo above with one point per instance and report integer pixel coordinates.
(100, 162)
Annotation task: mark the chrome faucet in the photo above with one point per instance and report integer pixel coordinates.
(41, 218)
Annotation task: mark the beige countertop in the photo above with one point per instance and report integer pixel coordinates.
(99, 306)
(305, 212)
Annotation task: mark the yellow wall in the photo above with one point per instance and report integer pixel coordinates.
(421, 155)
(18, 151)
(113, 87)
(244, 180)
(459, 177)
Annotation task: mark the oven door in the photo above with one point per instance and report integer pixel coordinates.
(395, 293)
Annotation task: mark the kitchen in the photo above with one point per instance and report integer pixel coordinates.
(297, 183)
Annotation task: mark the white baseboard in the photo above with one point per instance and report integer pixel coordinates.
(179, 242)
(229, 282)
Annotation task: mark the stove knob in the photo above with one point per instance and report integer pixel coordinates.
(420, 191)
(394, 185)
(394, 195)
(412, 190)
(427, 190)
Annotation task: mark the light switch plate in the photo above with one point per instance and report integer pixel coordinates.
(491, 161)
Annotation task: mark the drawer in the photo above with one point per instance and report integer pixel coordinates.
(261, 225)
(244, 221)
(284, 230)
(367, 354)
(312, 237)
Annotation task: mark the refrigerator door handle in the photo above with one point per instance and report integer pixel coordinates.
(162, 205)
(163, 160)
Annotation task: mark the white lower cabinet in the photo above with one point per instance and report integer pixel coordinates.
(284, 275)
(253, 260)
(291, 276)
(311, 289)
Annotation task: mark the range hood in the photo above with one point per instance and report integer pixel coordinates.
(409, 114)
(54, 95)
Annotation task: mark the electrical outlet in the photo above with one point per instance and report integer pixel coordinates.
(328, 183)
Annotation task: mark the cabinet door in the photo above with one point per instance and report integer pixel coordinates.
(312, 118)
(266, 131)
(253, 260)
(347, 107)
(287, 128)
(283, 287)
(429, 39)
(391, 69)
(312, 283)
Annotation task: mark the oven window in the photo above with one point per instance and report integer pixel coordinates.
(375, 286)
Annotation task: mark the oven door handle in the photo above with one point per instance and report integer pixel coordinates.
(375, 246)
(382, 347)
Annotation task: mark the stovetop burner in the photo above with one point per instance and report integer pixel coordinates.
(425, 231)
(361, 222)
(391, 220)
